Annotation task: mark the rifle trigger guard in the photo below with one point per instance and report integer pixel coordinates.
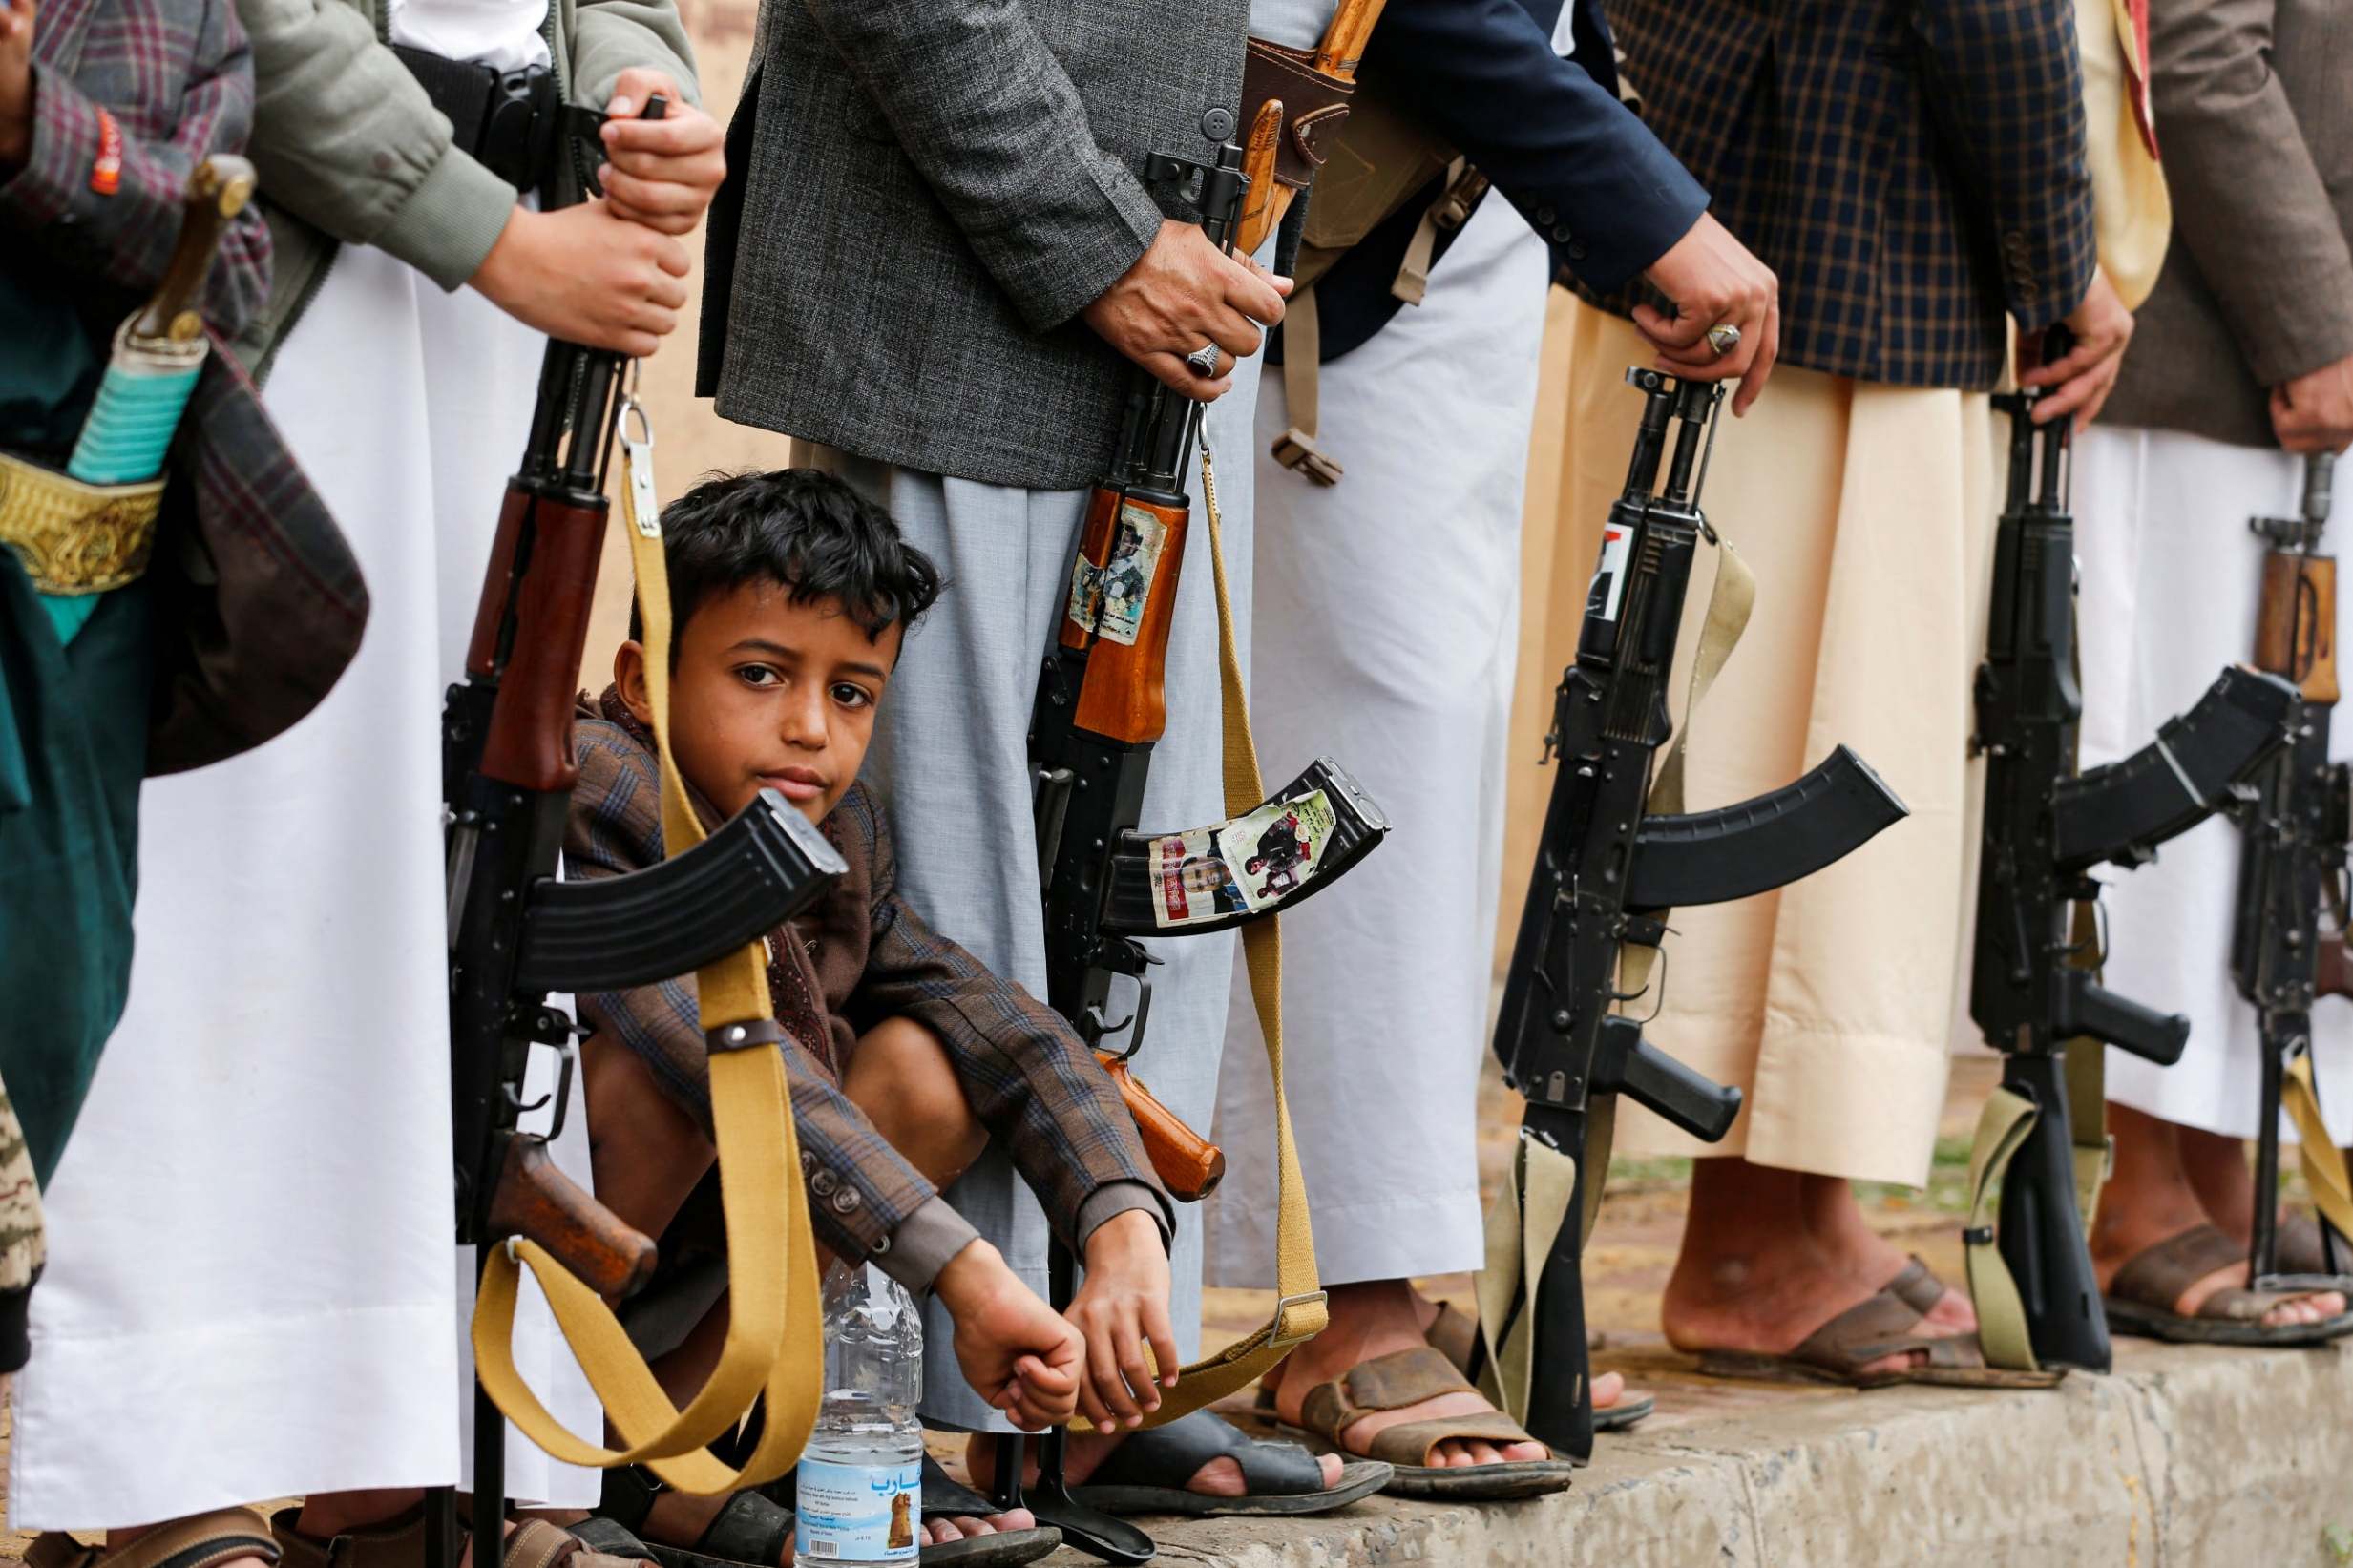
(560, 1097)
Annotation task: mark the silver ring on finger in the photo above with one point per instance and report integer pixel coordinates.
(1203, 360)
(1723, 337)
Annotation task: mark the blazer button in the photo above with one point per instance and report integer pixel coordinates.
(1576, 252)
(1545, 215)
(846, 1201)
(1559, 233)
(824, 1182)
(808, 1164)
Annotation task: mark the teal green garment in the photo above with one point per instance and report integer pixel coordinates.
(72, 748)
(50, 363)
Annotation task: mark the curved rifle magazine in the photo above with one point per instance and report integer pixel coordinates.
(1297, 842)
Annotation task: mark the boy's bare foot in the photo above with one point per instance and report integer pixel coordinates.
(2152, 1198)
(1768, 1257)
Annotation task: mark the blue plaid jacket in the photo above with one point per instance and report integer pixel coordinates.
(1912, 169)
(259, 597)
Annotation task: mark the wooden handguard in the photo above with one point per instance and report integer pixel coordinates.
(529, 739)
(2332, 973)
(2296, 627)
(1125, 695)
(540, 1204)
(1187, 1164)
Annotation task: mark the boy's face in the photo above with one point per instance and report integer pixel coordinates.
(769, 694)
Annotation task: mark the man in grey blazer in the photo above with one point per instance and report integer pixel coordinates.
(2243, 360)
(935, 259)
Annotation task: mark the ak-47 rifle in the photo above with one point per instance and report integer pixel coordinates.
(2295, 819)
(1108, 884)
(1610, 870)
(516, 933)
(2046, 828)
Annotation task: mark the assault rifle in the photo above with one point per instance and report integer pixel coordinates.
(1100, 708)
(2297, 820)
(516, 933)
(1608, 870)
(2046, 828)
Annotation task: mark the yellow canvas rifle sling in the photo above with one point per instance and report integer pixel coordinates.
(775, 1341)
(1300, 1312)
(1528, 1212)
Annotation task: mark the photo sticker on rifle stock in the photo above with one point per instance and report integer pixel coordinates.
(1241, 866)
(1609, 577)
(1109, 599)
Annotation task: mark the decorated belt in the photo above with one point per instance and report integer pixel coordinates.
(74, 537)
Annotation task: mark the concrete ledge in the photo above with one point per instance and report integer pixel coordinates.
(2185, 1458)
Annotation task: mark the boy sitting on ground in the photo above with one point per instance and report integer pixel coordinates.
(906, 1056)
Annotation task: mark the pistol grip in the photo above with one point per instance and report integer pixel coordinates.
(540, 1204)
(1187, 1164)
(2087, 1008)
(1635, 1067)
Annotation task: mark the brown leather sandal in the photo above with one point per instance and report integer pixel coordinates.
(2140, 1299)
(1408, 1377)
(197, 1541)
(400, 1543)
(1916, 1286)
(1880, 1327)
(1454, 1334)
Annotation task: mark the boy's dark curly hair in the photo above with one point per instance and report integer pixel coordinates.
(802, 529)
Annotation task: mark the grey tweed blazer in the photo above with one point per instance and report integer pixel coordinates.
(2255, 119)
(921, 197)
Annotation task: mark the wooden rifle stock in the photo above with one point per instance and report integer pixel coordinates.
(1187, 1164)
(2296, 625)
(540, 1204)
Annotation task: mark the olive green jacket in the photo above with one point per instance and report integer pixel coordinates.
(351, 151)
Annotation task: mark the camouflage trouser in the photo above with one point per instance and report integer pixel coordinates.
(23, 1246)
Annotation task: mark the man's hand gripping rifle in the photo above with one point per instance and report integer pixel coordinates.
(2295, 821)
(518, 934)
(1607, 872)
(1100, 707)
(2046, 828)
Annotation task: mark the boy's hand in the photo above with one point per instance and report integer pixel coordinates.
(1014, 1348)
(16, 83)
(587, 276)
(1123, 1303)
(660, 173)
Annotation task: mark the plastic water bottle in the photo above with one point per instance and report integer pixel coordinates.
(860, 1483)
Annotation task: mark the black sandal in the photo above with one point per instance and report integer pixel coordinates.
(755, 1528)
(1147, 1472)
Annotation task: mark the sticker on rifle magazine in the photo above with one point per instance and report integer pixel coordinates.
(1609, 578)
(1108, 599)
(1241, 866)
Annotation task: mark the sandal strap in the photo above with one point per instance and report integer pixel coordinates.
(1410, 1443)
(197, 1541)
(1916, 1286)
(1385, 1383)
(1454, 1335)
(944, 1497)
(2157, 1276)
(750, 1528)
(1170, 1455)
